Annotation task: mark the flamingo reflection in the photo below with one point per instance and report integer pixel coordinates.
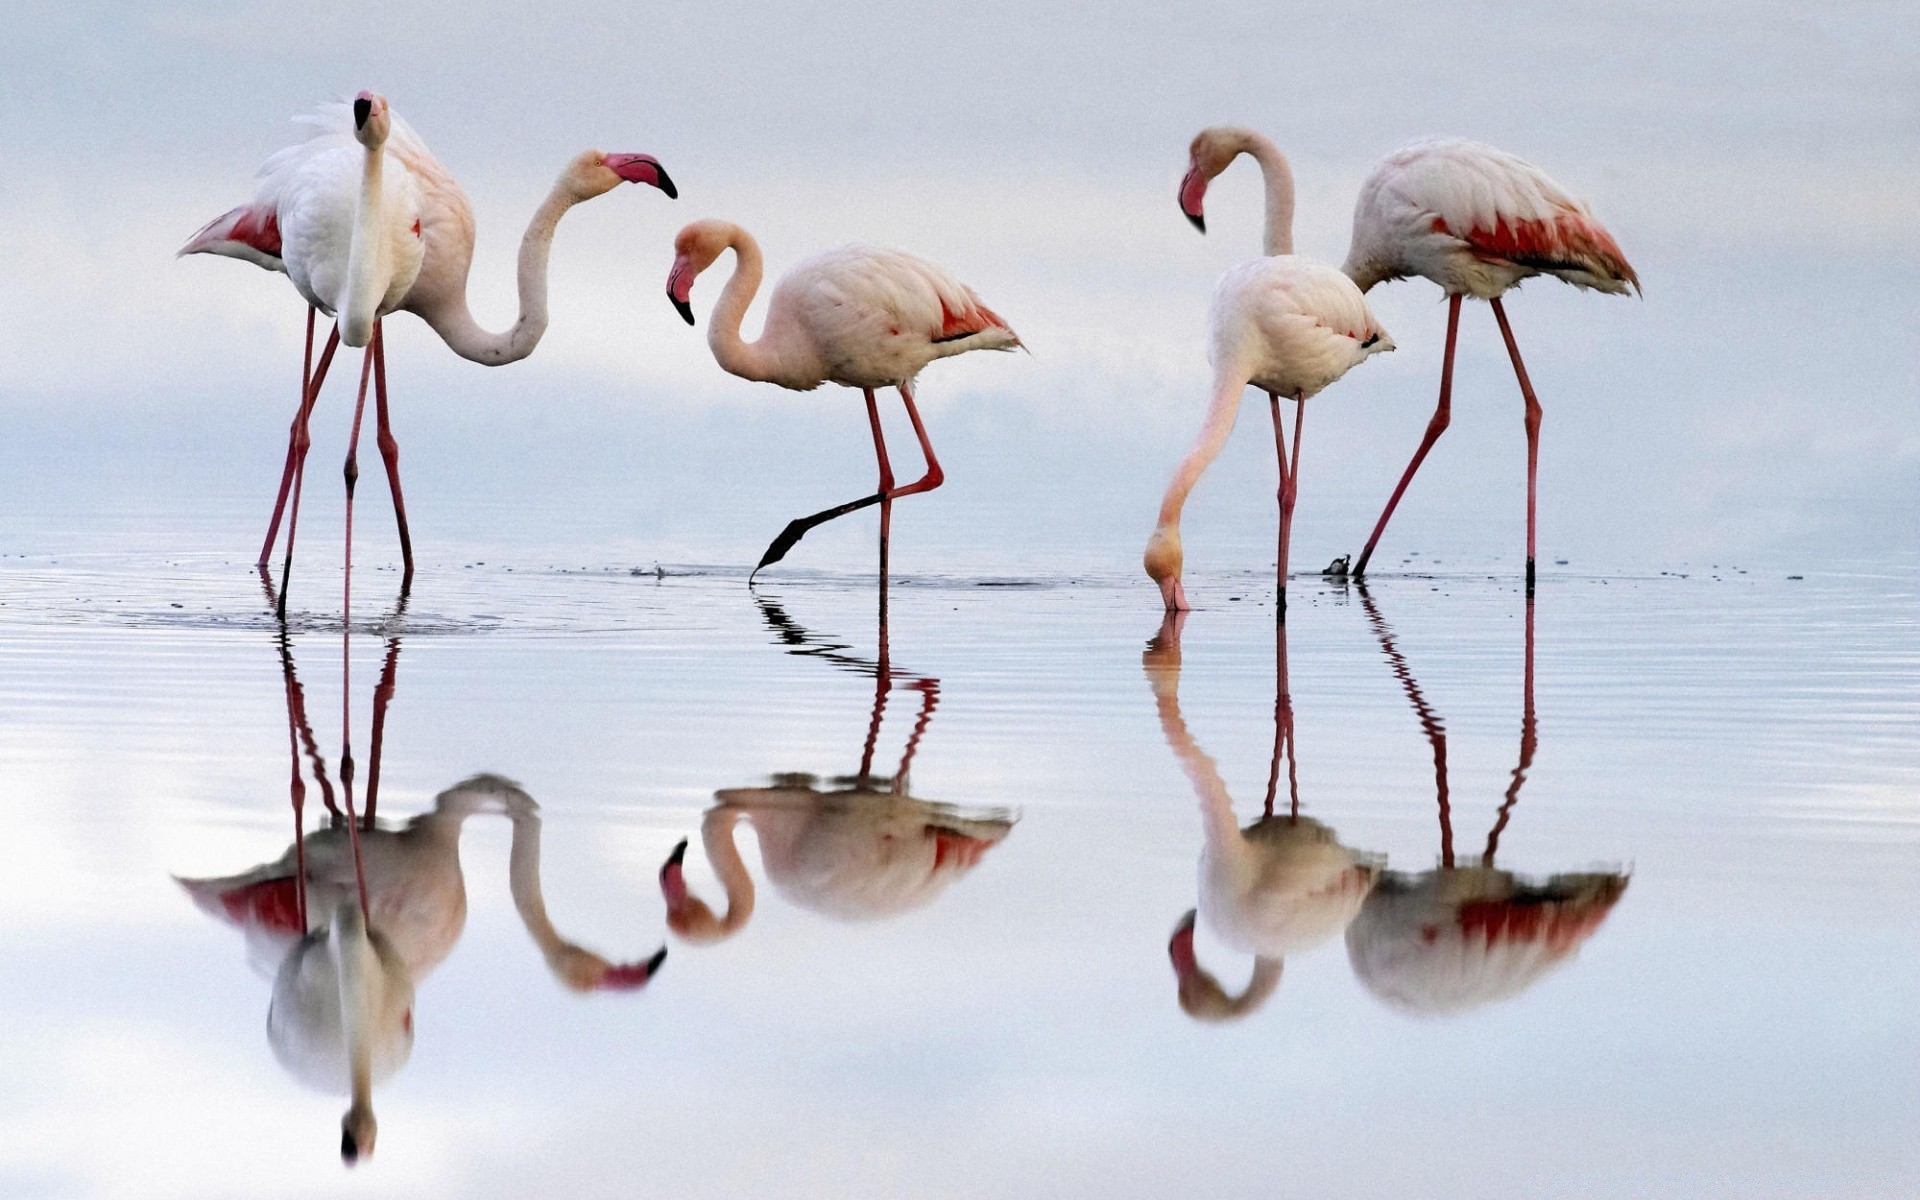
(853, 848)
(1278, 887)
(1449, 940)
(353, 915)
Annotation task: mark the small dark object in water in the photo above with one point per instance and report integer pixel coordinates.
(1337, 569)
(1789, 577)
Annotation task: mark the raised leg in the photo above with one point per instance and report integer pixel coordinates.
(302, 441)
(1533, 428)
(390, 454)
(1442, 414)
(798, 527)
(934, 476)
(293, 437)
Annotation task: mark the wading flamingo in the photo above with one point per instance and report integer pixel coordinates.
(368, 230)
(1282, 885)
(1288, 325)
(353, 915)
(1445, 941)
(1477, 221)
(854, 849)
(860, 316)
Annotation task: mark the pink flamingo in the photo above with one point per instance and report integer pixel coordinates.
(366, 230)
(860, 316)
(1288, 325)
(1477, 221)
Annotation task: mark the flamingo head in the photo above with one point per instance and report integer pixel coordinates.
(1163, 561)
(595, 174)
(1212, 149)
(1201, 996)
(358, 1130)
(687, 915)
(372, 120)
(693, 252)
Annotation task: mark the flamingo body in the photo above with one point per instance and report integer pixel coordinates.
(1281, 886)
(1477, 221)
(1290, 325)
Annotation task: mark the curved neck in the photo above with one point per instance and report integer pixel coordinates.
(717, 834)
(454, 322)
(1221, 414)
(1216, 806)
(367, 252)
(1279, 179)
(759, 360)
(1202, 997)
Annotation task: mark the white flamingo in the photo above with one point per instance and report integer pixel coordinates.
(1287, 325)
(369, 229)
(1279, 887)
(1477, 221)
(860, 316)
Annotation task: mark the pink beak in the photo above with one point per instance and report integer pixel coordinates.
(680, 291)
(1193, 195)
(673, 880)
(631, 977)
(1180, 948)
(642, 168)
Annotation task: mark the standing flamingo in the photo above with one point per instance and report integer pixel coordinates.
(860, 316)
(368, 231)
(1477, 221)
(1288, 325)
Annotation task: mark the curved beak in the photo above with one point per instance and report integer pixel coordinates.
(1193, 195)
(631, 977)
(680, 291)
(673, 880)
(642, 168)
(1180, 947)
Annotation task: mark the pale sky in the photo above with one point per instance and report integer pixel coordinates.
(1754, 160)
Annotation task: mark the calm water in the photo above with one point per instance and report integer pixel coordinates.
(1649, 930)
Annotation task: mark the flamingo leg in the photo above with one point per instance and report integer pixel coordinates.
(382, 696)
(1430, 722)
(390, 454)
(297, 790)
(1442, 415)
(934, 476)
(1283, 744)
(293, 437)
(302, 442)
(351, 472)
(1289, 491)
(799, 526)
(882, 685)
(1529, 742)
(1533, 428)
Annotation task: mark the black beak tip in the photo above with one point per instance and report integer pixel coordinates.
(674, 859)
(666, 182)
(362, 109)
(686, 311)
(653, 964)
(1199, 221)
(349, 1148)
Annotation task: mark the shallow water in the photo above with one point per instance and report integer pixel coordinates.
(974, 996)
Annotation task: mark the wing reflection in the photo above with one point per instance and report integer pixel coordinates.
(353, 915)
(1282, 885)
(1458, 937)
(854, 848)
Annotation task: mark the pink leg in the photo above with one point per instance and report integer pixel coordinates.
(1289, 492)
(302, 441)
(886, 509)
(382, 696)
(293, 437)
(1533, 428)
(1430, 722)
(934, 476)
(1282, 731)
(1442, 414)
(390, 454)
(1529, 742)
(298, 788)
(351, 471)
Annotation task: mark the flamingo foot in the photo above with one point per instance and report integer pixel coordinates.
(800, 526)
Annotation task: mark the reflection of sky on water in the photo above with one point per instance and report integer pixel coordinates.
(1743, 746)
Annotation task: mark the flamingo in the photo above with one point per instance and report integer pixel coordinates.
(1288, 325)
(1445, 941)
(1279, 887)
(860, 316)
(364, 232)
(854, 849)
(1477, 221)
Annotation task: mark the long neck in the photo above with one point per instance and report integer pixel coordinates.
(454, 322)
(355, 964)
(1221, 414)
(717, 834)
(759, 360)
(367, 254)
(1279, 179)
(1216, 806)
